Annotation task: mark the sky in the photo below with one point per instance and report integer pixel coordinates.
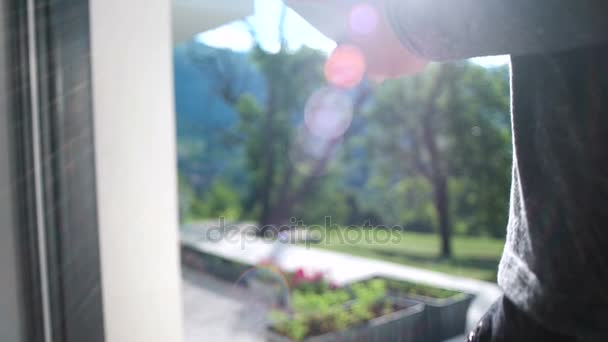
(298, 32)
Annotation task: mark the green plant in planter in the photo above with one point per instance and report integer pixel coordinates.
(295, 328)
(366, 295)
(420, 289)
(317, 287)
(313, 312)
(306, 302)
(316, 313)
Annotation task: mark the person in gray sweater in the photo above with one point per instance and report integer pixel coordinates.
(554, 268)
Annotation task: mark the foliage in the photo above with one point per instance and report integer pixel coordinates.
(220, 201)
(278, 185)
(295, 328)
(317, 313)
(328, 199)
(435, 161)
(445, 127)
(411, 288)
(206, 81)
(481, 160)
(186, 197)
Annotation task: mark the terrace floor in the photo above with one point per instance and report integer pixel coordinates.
(215, 311)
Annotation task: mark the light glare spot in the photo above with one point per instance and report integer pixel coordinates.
(309, 150)
(345, 67)
(363, 19)
(328, 113)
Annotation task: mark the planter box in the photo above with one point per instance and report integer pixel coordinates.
(214, 265)
(444, 317)
(271, 293)
(405, 325)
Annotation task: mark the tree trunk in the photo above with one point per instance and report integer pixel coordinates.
(289, 199)
(269, 163)
(437, 173)
(266, 217)
(442, 207)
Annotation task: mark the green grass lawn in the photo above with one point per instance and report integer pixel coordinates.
(473, 257)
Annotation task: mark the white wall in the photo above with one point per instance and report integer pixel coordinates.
(136, 169)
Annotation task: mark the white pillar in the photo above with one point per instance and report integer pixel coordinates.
(136, 169)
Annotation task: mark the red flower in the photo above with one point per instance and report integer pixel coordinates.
(301, 276)
(298, 276)
(317, 276)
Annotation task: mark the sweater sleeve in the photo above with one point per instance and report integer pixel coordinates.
(455, 29)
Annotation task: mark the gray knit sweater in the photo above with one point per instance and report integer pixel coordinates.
(555, 261)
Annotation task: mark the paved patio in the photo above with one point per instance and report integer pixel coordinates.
(214, 310)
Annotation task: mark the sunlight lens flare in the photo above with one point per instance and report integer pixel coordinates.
(345, 67)
(328, 113)
(309, 150)
(363, 19)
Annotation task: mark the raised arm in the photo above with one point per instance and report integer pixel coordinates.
(454, 29)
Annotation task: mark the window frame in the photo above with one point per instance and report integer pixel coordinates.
(62, 300)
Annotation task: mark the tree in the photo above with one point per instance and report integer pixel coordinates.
(284, 173)
(419, 130)
(269, 129)
(430, 152)
(481, 153)
(208, 83)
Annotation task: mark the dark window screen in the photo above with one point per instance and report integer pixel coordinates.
(51, 126)
(11, 285)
